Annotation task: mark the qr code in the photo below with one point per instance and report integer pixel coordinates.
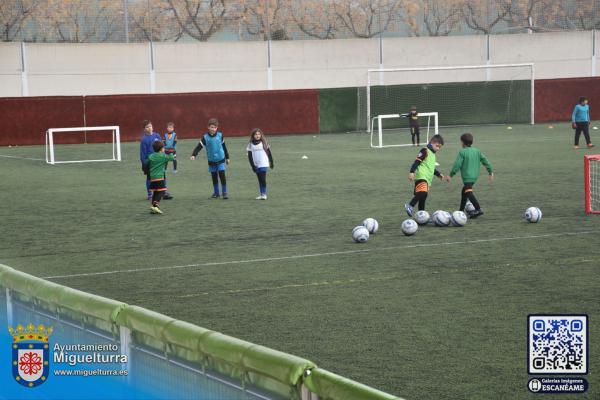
(557, 344)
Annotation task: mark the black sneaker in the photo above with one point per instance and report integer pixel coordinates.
(225, 197)
(215, 196)
(476, 213)
(167, 196)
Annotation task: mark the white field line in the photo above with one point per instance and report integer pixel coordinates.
(22, 158)
(333, 253)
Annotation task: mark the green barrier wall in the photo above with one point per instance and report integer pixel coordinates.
(462, 103)
(259, 366)
(330, 386)
(338, 110)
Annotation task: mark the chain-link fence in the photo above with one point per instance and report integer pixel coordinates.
(221, 20)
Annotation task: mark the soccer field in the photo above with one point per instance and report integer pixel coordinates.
(439, 315)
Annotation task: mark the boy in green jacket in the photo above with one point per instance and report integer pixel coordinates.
(469, 161)
(155, 168)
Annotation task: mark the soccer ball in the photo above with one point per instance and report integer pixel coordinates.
(371, 224)
(441, 218)
(458, 218)
(422, 217)
(360, 234)
(409, 227)
(533, 214)
(469, 208)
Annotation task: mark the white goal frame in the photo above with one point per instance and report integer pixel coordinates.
(380, 118)
(116, 143)
(381, 72)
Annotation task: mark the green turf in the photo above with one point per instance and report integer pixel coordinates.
(440, 315)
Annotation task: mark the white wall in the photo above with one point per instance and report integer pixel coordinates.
(10, 70)
(556, 55)
(86, 69)
(434, 51)
(109, 68)
(301, 64)
(205, 67)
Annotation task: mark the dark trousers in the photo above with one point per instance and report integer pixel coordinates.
(421, 191)
(582, 127)
(467, 194)
(415, 134)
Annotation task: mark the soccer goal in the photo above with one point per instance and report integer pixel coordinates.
(394, 127)
(462, 95)
(591, 166)
(84, 144)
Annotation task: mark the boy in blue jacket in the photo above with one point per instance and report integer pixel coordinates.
(148, 139)
(217, 155)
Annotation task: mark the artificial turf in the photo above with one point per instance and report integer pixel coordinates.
(439, 315)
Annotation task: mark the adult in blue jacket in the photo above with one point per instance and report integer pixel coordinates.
(581, 121)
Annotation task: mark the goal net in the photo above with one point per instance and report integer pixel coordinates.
(394, 130)
(592, 183)
(84, 144)
(462, 95)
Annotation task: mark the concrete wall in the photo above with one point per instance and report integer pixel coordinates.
(209, 67)
(86, 69)
(556, 55)
(97, 69)
(10, 69)
(322, 63)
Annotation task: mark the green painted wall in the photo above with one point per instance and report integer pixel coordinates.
(338, 109)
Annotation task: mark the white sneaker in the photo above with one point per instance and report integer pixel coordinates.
(264, 196)
(259, 197)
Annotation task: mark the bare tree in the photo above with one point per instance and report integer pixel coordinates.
(267, 19)
(583, 15)
(483, 15)
(441, 17)
(314, 18)
(365, 18)
(77, 21)
(13, 15)
(200, 19)
(153, 21)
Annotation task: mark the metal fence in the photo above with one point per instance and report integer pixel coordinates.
(221, 20)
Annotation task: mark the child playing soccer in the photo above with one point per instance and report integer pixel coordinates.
(469, 161)
(148, 138)
(155, 168)
(171, 144)
(422, 172)
(581, 121)
(413, 123)
(260, 158)
(217, 155)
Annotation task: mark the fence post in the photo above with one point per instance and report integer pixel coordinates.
(152, 75)
(24, 82)
(269, 69)
(593, 52)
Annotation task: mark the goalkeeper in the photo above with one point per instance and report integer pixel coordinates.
(468, 162)
(581, 121)
(413, 123)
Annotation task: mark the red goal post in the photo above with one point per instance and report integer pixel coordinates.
(591, 167)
